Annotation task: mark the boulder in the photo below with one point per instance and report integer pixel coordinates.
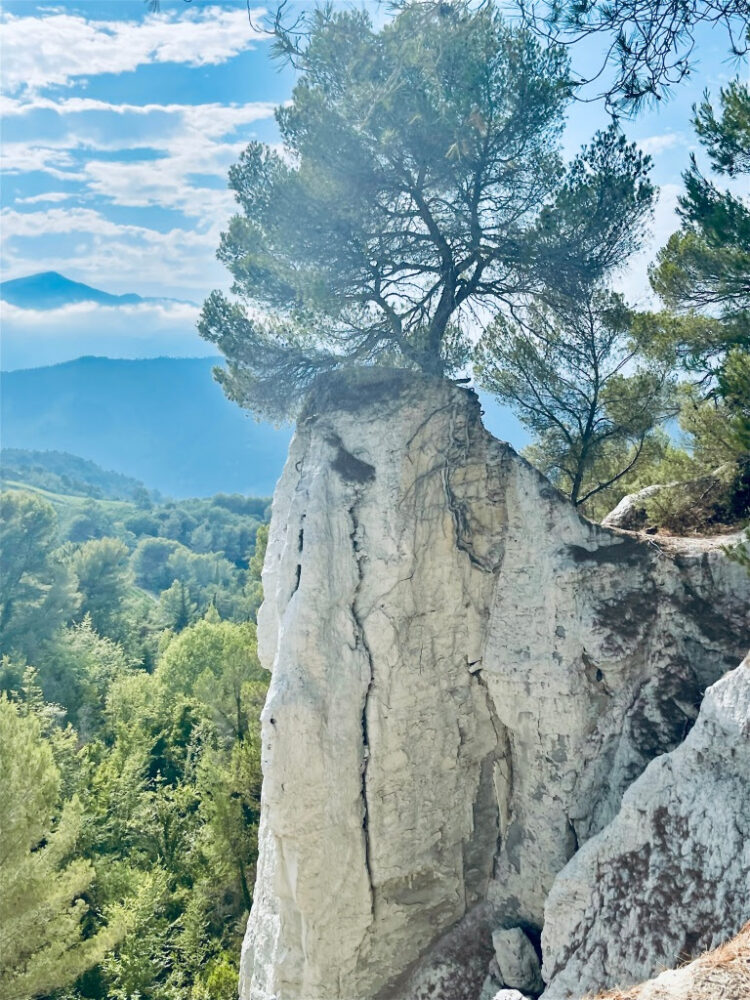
(721, 974)
(670, 876)
(630, 513)
(517, 960)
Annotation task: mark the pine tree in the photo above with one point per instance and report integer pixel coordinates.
(37, 591)
(41, 888)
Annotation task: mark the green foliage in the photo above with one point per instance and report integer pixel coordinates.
(102, 569)
(37, 590)
(564, 374)
(151, 563)
(703, 276)
(416, 161)
(153, 821)
(647, 47)
(63, 473)
(596, 220)
(216, 662)
(93, 522)
(705, 266)
(727, 138)
(176, 607)
(78, 672)
(563, 357)
(42, 947)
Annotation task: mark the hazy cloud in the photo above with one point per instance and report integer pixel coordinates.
(32, 338)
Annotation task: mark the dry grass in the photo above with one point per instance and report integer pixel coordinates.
(721, 974)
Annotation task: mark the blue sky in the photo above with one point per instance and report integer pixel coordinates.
(120, 125)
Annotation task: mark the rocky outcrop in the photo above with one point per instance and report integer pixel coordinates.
(466, 677)
(670, 876)
(718, 502)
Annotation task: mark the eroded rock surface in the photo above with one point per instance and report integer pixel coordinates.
(466, 676)
(670, 876)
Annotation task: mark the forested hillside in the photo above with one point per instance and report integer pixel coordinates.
(164, 421)
(64, 473)
(128, 652)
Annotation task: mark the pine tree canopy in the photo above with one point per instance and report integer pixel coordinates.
(407, 203)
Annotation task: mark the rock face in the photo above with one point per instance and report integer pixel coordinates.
(466, 677)
(670, 876)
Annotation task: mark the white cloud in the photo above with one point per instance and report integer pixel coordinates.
(138, 257)
(56, 48)
(183, 140)
(656, 144)
(70, 316)
(164, 182)
(24, 157)
(50, 197)
(34, 337)
(211, 119)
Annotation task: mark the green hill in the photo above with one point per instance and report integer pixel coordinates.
(60, 472)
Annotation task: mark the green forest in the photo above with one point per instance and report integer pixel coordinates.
(129, 747)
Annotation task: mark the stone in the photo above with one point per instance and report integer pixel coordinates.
(517, 960)
(630, 513)
(466, 677)
(669, 877)
(509, 995)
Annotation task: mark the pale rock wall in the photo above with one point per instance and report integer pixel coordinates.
(466, 676)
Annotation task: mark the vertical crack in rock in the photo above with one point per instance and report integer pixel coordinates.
(500, 751)
(358, 474)
(361, 640)
(457, 455)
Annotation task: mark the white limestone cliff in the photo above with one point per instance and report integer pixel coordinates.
(466, 677)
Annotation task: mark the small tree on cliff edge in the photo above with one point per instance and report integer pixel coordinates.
(565, 358)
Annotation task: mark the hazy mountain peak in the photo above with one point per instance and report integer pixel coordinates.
(52, 290)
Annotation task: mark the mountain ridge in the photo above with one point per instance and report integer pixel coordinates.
(51, 290)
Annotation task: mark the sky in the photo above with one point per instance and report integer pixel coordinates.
(119, 126)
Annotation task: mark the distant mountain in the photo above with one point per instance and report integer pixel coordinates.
(163, 421)
(48, 319)
(68, 474)
(50, 290)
